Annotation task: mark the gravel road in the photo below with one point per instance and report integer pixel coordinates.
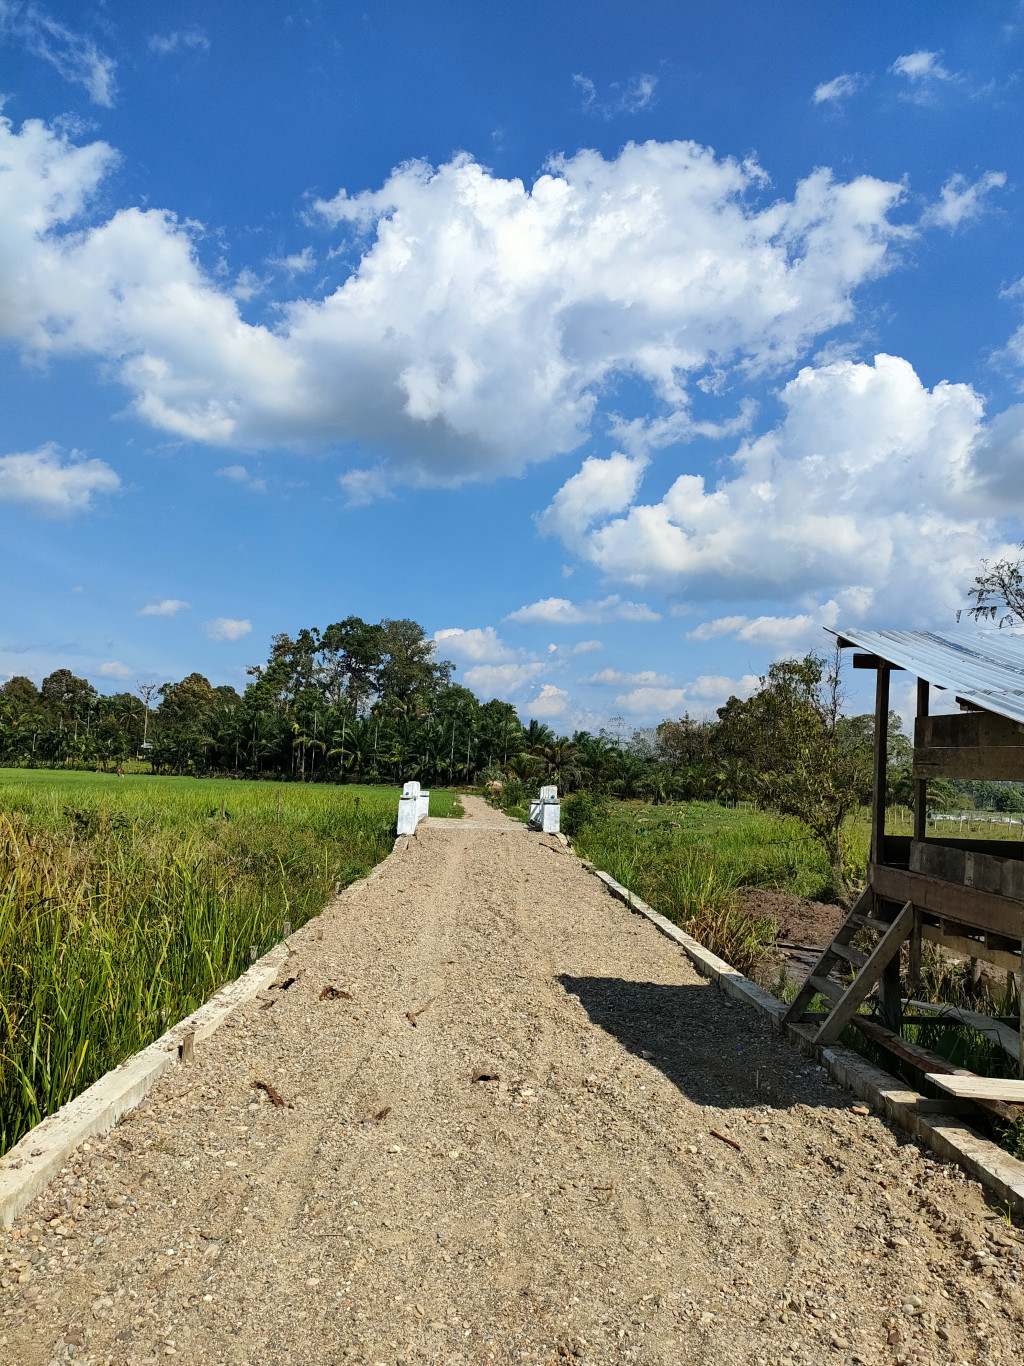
(502, 1120)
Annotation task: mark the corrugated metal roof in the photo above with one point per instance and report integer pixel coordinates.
(986, 668)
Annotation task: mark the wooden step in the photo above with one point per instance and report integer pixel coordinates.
(831, 991)
(853, 956)
(980, 1088)
(868, 922)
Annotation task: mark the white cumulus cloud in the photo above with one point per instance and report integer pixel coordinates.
(226, 628)
(549, 703)
(483, 319)
(865, 478)
(768, 630)
(496, 679)
(699, 698)
(43, 482)
(113, 668)
(563, 612)
(961, 201)
(479, 643)
(613, 678)
(921, 66)
(167, 607)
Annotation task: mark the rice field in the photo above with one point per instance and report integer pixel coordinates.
(125, 902)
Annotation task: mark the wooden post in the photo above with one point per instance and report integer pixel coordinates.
(881, 764)
(914, 955)
(890, 996)
(921, 786)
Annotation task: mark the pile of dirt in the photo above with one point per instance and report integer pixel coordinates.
(805, 927)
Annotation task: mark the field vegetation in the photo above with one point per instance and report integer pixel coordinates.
(124, 903)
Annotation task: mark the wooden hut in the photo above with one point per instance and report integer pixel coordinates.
(966, 895)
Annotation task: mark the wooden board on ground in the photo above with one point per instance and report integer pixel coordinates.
(980, 1088)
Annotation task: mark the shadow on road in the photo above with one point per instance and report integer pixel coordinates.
(716, 1051)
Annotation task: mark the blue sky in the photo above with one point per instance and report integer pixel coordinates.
(623, 346)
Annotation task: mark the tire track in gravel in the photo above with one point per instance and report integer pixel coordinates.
(577, 1208)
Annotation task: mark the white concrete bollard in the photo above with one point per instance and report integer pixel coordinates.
(545, 812)
(408, 815)
(413, 805)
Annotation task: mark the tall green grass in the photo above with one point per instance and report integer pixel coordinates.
(124, 903)
(690, 860)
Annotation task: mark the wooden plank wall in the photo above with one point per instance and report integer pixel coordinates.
(973, 745)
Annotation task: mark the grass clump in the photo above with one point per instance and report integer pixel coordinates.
(124, 903)
(690, 860)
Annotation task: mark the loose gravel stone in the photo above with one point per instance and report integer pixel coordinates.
(524, 1172)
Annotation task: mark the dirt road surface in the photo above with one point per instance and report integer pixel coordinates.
(488, 1134)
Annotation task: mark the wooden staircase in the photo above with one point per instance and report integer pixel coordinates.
(844, 998)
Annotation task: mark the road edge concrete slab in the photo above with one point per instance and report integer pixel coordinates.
(950, 1139)
(29, 1167)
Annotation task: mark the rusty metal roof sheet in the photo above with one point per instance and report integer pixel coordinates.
(983, 667)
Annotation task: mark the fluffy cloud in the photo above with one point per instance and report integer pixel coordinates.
(921, 67)
(168, 607)
(483, 317)
(960, 201)
(549, 702)
(837, 89)
(777, 631)
(612, 678)
(495, 680)
(113, 668)
(871, 480)
(480, 644)
(563, 612)
(74, 56)
(225, 628)
(698, 698)
(41, 481)
(601, 487)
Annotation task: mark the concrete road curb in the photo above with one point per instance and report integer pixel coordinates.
(33, 1162)
(948, 1138)
(29, 1167)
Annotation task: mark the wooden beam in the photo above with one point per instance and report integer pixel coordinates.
(964, 947)
(966, 905)
(881, 766)
(979, 763)
(921, 785)
(973, 729)
(879, 959)
(874, 662)
(1008, 1039)
(926, 1061)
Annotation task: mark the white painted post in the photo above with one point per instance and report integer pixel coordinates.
(545, 811)
(413, 805)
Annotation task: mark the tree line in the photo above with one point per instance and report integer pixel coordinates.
(371, 702)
